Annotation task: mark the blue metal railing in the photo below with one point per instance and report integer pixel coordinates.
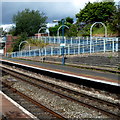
(73, 46)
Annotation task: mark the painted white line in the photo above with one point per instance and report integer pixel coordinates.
(20, 107)
(67, 74)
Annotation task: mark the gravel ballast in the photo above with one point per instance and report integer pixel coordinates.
(65, 107)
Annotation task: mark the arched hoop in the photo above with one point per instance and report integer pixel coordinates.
(41, 29)
(60, 28)
(24, 42)
(98, 23)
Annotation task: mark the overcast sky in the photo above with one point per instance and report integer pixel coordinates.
(53, 9)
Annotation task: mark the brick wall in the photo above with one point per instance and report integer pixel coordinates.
(9, 42)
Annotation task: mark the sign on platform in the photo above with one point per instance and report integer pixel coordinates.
(62, 45)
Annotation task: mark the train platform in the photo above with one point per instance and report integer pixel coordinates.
(86, 74)
(11, 110)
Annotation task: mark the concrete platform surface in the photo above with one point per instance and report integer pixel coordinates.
(88, 73)
(12, 110)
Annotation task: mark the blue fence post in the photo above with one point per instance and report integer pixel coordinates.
(50, 40)
(60, 50)
(71, 40)
(93, 45)
(68, 49)
(18, 54)
(104, 40)
(116, 44)
(34, 53)
(79, 40)
(65, 50)
(39, 52)
(90, 44)
(25, 53)
(51, 51)
(112, 45)
(45, 51)
(15, 54)
(96, 40)
(54, 39)
(79, 48)
(87, 40)
(29, 53)
(65, 40)
(21, 53)
(74, 50)
(59, 39)
(83, 46)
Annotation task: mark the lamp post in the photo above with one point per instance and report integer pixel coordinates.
(60, 28)
(62, 45)
(63, 58)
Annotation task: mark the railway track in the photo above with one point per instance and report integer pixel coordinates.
(37, 109)
(108, 108)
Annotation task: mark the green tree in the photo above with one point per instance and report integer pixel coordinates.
(53, 30)
(12, 31)
(115, 21)
(96, 12)
(72, 32)
(29, 21)
(16, 42)
(69, 20)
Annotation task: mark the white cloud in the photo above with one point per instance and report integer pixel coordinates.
(37, 0)
(7, 27)
(76, 2)
(51, 24)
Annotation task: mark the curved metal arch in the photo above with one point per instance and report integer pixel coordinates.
(23, 42)
(98, 23)
(41, 29)
(61, 27)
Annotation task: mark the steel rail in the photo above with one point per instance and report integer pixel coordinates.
(60, 87)
(34, 102)
(68, 97)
